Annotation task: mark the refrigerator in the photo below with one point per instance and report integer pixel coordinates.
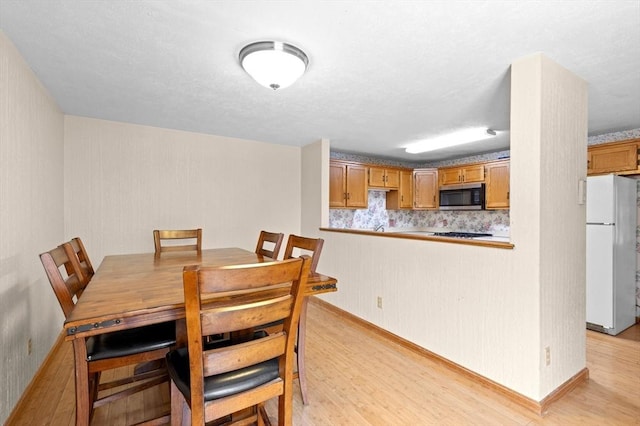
(611, 253)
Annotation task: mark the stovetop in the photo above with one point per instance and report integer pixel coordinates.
(461, 234)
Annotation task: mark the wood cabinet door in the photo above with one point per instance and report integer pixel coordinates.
(425, 189)
(376, 177)
(337, 184)
(497, 185)
(392, 179)
(450, 175)
(611, 159)
(356, 187)
(403, 197)
(473, 173)
(406, 189)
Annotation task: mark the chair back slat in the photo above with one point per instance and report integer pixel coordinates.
(221, 360)
(297, 245)
(173, 236)
(269, 244)
(75, 248)
(243, 317)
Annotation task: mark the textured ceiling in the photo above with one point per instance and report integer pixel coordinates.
(381, 75)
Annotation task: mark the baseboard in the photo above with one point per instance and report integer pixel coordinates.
(538, 407)
(36, 378)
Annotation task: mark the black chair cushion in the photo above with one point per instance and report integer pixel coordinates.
(221, 385)
(133, 341)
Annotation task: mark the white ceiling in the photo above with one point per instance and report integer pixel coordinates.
(381, 74)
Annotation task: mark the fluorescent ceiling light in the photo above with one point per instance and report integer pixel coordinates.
(273, 64)
(452, 139)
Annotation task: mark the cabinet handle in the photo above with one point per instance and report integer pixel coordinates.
(402, 198)
(348, 196)
(508, 195)
(344, 195)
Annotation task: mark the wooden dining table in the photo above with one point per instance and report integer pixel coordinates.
(132, 290)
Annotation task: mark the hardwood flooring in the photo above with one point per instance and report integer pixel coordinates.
(356, 377)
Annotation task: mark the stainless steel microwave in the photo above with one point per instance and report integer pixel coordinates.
(464, 196)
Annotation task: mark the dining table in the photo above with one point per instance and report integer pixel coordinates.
(133, 290)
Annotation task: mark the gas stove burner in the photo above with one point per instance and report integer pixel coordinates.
(461, 234)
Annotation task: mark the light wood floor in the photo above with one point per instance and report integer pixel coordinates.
(357, 377)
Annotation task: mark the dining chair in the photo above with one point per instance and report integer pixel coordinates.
(177, 239)
(304, 245)
(75, 249)
(213, 382)
(269, 244)
(313, 247)
(109, 350)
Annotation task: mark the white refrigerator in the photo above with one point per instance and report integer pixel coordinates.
(611, 253)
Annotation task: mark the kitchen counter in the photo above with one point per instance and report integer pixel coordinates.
(495, 241)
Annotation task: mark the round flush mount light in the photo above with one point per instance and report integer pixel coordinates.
(273, 64)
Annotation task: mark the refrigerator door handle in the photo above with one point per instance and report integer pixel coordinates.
(601, 223)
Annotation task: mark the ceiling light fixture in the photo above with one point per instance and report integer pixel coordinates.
(452, 139)
(273, 64)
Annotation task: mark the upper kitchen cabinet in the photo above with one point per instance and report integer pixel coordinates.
(497, 185)
(347, 185)
(468, 173)
(403, 197)
(620, 158)
(384, 178)
(425, 189)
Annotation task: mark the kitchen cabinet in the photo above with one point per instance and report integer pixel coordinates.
(425, 189)
(380, 177)
(347, 185)
(619, 158)
(497, 185)
(403, 197)
(468, 173)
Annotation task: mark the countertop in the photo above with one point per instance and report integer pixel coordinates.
(498, 240)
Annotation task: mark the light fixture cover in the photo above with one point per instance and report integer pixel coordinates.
(273, 64)
(459, 137)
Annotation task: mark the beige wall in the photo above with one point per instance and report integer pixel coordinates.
(490, 310)
(31, 221)
(548, 159)
(124, 180)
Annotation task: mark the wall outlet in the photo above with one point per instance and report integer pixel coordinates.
(29, 346)
(547, 355)
(379, 302)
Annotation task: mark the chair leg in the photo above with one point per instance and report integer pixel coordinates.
(178, 404)
(84, 403)
(302, 337)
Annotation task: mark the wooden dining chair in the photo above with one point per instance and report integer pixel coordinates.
(177, 239)
(297, 245)
(269, 244)
(75, 249)
(209, 383)
(109, 350)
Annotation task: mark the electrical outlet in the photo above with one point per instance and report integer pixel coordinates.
(29, 346)
(379, 302)
(547, 355)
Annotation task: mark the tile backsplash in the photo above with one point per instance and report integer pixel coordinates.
(494, 221)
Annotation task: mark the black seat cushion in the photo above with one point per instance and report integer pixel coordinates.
(221, 385)
(133, 341)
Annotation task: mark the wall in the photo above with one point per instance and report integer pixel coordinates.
(127, 180)
(490, 310)
(31, 221)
